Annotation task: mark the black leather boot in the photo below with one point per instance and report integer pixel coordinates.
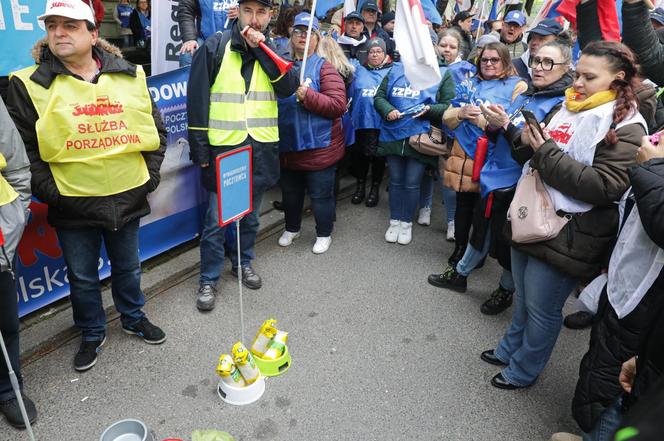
(456, 256)
(360, 191)
(373, 197)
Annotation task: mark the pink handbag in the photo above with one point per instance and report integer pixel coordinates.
(532, 214)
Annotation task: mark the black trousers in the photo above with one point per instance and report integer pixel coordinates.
(363, 156)
(463, 218)
(9, 325)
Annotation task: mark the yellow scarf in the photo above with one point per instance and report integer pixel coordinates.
(591, 102)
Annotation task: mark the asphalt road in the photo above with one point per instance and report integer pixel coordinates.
(378, 354)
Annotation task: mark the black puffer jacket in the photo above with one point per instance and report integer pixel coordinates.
(614, 341)
(109, 212)
(641, 37)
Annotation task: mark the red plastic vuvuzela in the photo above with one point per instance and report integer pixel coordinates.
(283, 65)
(480, 157)
(2, 238)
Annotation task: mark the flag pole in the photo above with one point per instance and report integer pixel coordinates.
(479, 26)
(306, 44)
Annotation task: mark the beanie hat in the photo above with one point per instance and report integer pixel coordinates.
(376, 42)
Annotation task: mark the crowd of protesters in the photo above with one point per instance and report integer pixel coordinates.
(568, 203)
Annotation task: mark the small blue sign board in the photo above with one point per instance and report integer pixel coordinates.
(234, 185)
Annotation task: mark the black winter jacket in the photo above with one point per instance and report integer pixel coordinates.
(204, 69)
(641, 37)
(109, 212)
(614, 341)
(189, 13)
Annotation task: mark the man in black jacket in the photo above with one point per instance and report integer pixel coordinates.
(372, 28)
(95, 141)
(213, 112)
(353, 42)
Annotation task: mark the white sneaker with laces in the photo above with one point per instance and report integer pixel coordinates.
(392, 233)
(287, 238)
(425, 216)
(322, 244)
(405, 233)
(450, 231)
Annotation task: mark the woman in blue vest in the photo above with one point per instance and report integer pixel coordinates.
(139, 22)
(544, 97)
(367, 121)
(311, 139)
(449, 42)
(395, 101)
(495, 83)
(121, 15)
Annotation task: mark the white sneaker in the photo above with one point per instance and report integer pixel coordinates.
(287, 238)
(405, 233)
(392, 233)
(450, 231)
(425, 216)
(322, 244)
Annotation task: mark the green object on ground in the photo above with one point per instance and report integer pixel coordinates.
(626, 434)
(211, 435)
(272, 368)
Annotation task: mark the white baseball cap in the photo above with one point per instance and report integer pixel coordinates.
(74, 9)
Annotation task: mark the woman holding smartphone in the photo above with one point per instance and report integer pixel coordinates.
(582, 159)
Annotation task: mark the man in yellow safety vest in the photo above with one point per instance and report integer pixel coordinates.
(232, 102)
(95, 141)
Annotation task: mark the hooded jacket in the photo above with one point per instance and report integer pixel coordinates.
(109, 212)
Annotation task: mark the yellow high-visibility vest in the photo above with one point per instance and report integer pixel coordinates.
(234, 114)
(7, 192)
(92, 135)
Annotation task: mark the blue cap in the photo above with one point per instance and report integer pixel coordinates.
(517, 17)
(354, 16)
(547, 27)
(302, 19)
(657, 15)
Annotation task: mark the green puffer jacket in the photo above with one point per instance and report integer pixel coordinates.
(446, 91)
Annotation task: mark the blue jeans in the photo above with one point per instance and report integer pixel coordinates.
(472, 257)
(449, 199)
(607, 424)
(81, 248)
(213, 238)
(426, 191)
(185, 59)
(405, 178)
(540, 294)
(320, 186)
(9, 326)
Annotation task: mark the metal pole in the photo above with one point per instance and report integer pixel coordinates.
(239, 279)
(17, 389)
(306, 44)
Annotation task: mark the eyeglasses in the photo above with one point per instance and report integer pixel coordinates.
(493, 61)
(546, 63)
(376, 52)
(300, 32)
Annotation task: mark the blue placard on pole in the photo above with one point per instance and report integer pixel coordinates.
(234, 185)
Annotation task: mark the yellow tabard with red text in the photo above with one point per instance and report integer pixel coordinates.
(92, 135)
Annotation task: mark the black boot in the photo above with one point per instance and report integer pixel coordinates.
(360, 190)
(450, 279)
(459, 251)
(372, 199)
(500, 300)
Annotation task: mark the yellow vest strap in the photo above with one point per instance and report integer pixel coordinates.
(261, 122)
(227, 97)
(261, 96)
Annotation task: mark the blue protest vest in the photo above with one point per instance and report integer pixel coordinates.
(124, 11)
(300, 129)
(461, 70)
(349, 129)
(363, 90)
(477, 91)
(500, 169)
(214, 15)
(402, 97)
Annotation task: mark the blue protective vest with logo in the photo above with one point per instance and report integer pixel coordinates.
(300, 129)
(124, 11)
(213, 16)
(402, 97)
(364, 87)
(500, 169)
(461, 70)
(477, 91)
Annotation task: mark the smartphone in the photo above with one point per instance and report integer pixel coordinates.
(532, 120)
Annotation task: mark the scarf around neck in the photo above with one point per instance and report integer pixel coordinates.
(595, 100)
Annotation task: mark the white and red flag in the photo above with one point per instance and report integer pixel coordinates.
(413, 40)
